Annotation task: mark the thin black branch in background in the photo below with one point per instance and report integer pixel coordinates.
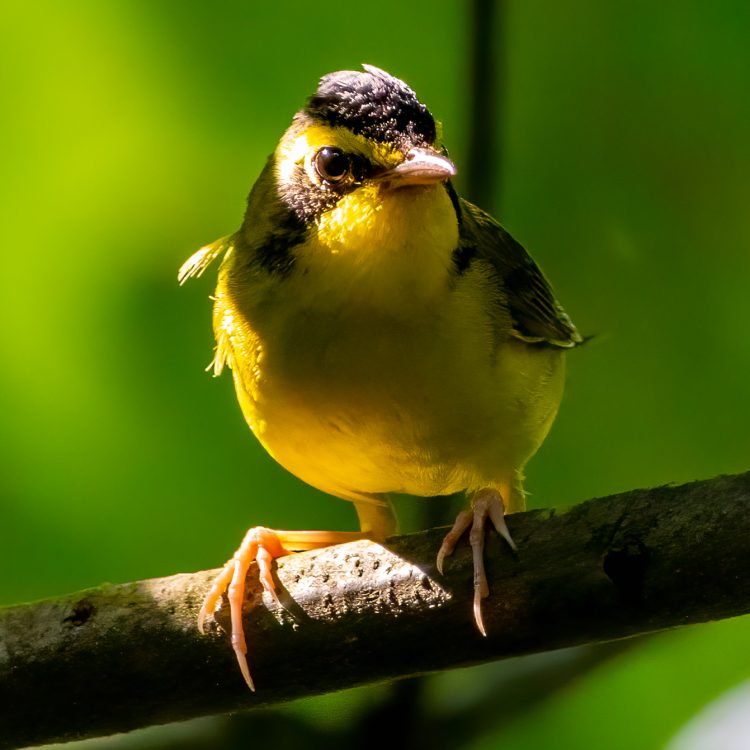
(486, 86)
(483, 176)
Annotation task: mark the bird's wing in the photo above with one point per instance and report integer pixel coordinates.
(536, 316)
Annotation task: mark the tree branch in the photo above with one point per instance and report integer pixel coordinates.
(118, 657)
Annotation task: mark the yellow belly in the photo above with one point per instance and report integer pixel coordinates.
(362, 403)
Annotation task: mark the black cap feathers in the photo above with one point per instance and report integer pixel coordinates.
(375, 105)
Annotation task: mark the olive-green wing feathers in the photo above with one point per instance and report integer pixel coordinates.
(537, 317)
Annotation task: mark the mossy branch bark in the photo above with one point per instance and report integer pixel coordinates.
(119, 657)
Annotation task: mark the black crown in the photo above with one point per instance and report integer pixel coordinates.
(373, 104)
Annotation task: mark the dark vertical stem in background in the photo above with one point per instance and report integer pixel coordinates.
(486, 83)
(482, 185)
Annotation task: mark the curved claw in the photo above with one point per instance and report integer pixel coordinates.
(485, 504)
(260, 545)
(211, 600)
(462, 522)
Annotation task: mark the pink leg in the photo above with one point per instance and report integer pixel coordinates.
(260, 545)
(487, 503)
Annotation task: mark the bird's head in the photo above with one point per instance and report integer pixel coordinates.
(360, 173)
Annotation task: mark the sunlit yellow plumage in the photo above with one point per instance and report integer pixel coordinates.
(384, 335)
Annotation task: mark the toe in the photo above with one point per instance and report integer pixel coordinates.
(462, 522)
(218, 587)
(261, 545)
(481, 588)
(496, 510)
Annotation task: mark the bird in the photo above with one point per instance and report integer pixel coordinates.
(384, 334)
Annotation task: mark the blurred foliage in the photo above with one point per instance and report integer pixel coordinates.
(132, 132)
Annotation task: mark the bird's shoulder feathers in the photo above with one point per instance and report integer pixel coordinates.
(537, 317)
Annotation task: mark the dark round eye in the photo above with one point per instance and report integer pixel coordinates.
(331, 164)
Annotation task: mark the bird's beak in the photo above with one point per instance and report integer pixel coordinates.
(422, 166)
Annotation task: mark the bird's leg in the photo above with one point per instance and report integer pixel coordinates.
(263, 545)
(486, 503)
(260, 545)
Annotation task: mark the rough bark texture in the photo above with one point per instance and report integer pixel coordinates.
(119, 657)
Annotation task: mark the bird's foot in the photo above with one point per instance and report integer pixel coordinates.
(260, 545)
(487, 503)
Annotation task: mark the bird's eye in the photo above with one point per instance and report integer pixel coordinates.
(331, 164)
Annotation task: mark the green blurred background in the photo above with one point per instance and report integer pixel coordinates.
(131, 133)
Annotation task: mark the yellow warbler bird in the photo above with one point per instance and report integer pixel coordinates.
(385, 335)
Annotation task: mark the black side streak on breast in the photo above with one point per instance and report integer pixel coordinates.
(276, 253)
(466, 250)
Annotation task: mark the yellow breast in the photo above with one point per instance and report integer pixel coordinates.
(355, 396)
